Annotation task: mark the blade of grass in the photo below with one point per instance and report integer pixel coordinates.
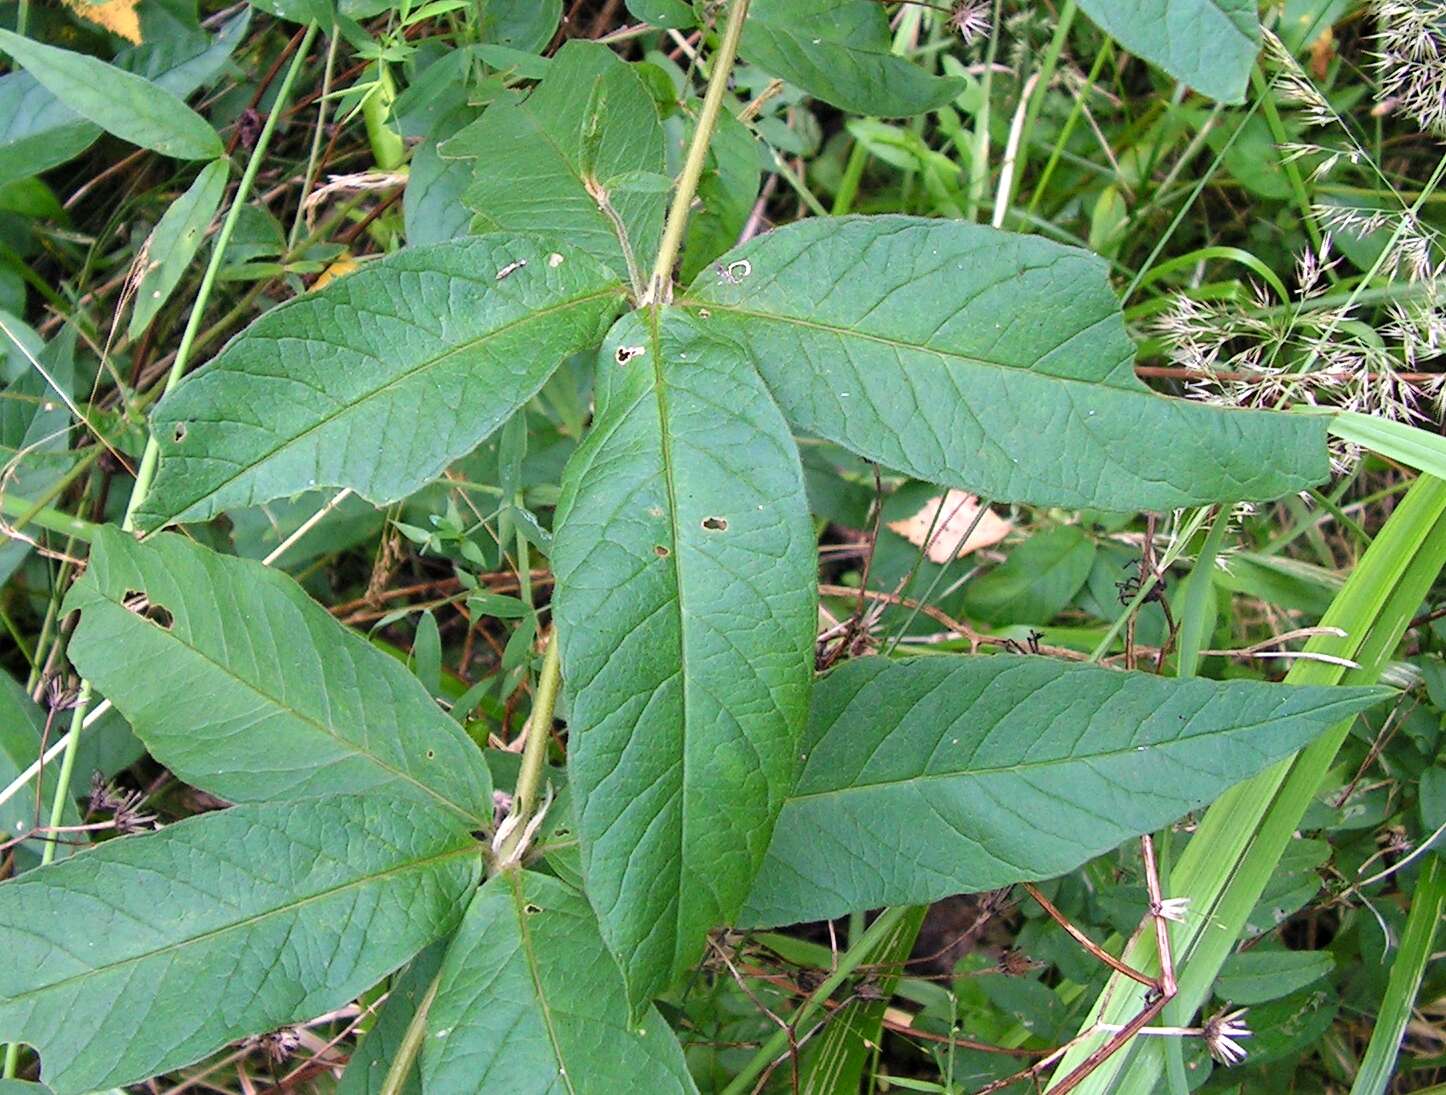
(1378, 1067)
(1238, 843)
(853, 1034)
(879, 930)
(1195, 591)
(1416, 448)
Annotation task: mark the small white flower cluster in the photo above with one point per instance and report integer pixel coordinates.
(1410, 60)
(1261, 353)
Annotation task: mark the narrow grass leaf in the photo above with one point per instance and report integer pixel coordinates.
(836, 1060)
(1414, 447)
(1378, 1067)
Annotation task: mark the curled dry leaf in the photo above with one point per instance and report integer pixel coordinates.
(950, 517)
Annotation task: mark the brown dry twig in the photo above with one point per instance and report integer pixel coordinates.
(960, 628)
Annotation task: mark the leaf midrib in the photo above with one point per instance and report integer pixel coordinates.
(1025, 766)
(410, 865)
(524, 935)
(660, 388)
(1138, 390)
(615, 289)
(300, 716)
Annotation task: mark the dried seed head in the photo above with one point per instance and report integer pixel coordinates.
(102, 794)
(123, 806)
(970, 20)
(1222, 1033)
(278, 1045)
(1016, 963)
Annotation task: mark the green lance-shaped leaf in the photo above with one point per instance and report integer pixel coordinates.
(149, 952)
(839, 51)
(341, 387)
(1208, 44)
(685, 602)
(249, 689)
(174, 242)
(986, 360)
(1040, 577)
(676, 14)
(526, 25)
(541, 160)
(38, 131)
(531, 1001)
(129, 106)
(935, 776)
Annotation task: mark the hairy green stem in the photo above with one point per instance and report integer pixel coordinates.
(847, 963)
(848, 187)
(389, 151)
(661, 284)
(1075, 114)
(534, 752)
(1036, 102)
(314, 156)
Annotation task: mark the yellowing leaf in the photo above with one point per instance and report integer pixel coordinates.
(116, 16)
(950, 517)
(343, 266)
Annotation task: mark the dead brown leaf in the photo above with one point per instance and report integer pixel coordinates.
(959, 510)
